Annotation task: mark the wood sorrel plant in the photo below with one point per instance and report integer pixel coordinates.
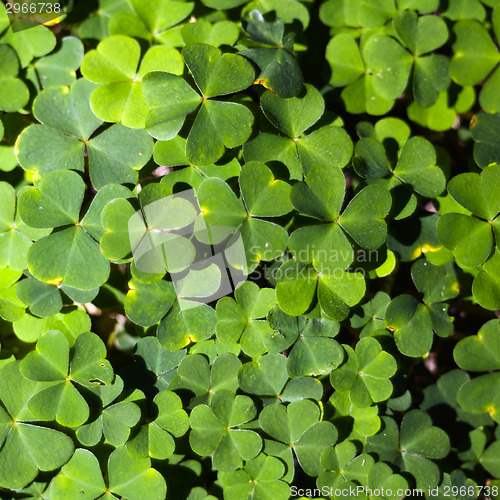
(319, 316)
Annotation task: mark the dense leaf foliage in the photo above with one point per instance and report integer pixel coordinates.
(340, 159)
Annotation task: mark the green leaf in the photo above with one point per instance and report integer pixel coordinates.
(486, 286)
(59, 68)
(217, 34)
(264, 195)
(295, 287)
(475, 54)
(182, 327)
(115, 65)
(483, 128)
(365, 373)
(217, 74)
(421, 441)
(265, 376)
(170, 98)
(70, 256)
(411, 324)
(130, 476)
(215, 430)
(295, 115)
(417, 167)
(233, 124)
(433, 282)
(480, 352)
(15, 94)
(56, 201)
(146, 304)
(322, 193)
(363, 217)
(81, 476)
(470, 239)
(42, 299)
(338, 292)
(30, 43)
(480, 194)
(345, 60)
(390, 64)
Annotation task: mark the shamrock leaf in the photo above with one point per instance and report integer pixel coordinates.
(152, 22)
(15, 93)
(26, 448)
(179, 328)
(279, 72)
(196, 375)
(436, 285)
(480, 194)
(115, 418)
(263, 240)
(423, 35)
(412, 325)
(419, 442)
(215, 429)
(313, 350)
(158, 361)
(51, 362)
(115, 65)
(75, 258)
(480, 352)
(468, 69)
(260, 478)
(127, 477)
(171, 99)
(483, 128)
(36, 41)
(62, 139)
(299, 152)
(240, 323)
(298, 426)
(59, 67)
(365, 373)
(154, 439)
(42, 299)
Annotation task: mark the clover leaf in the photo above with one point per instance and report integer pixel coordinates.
(343, 470)
(216, 429)
(51, 362)
(59, 67)
(127, 476)
(483, 129)
(420, 441)
(467, 69)
(171, 99)
(14, 244)
(300, 153)
(155, 439)
(75, 256)
(260, 477)
(152, 21)
(313, 350)
(365, 373)
(240, 323)
(63, 143)
(115, 65)
(15, 93)
(412, 325)
(26, 448)
(298, 426)
(279, 72)
(204, 381)
(115, 419)
(263, 240)
(480, 194)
